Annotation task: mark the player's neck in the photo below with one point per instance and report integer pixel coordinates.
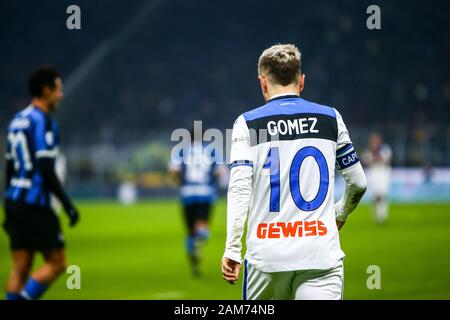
(278, 91)
(40, 104)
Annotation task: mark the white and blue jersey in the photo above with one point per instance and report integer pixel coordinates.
(197, 172)
(32, 134)
(284, 155)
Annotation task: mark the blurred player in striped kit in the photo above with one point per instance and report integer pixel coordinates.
(378, 160)
(31, 181)
(197, 172)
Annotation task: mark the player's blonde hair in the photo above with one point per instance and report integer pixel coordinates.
(281, 63)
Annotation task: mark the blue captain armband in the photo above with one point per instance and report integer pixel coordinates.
(346, 157)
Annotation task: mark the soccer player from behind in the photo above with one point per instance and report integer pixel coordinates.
(378, 160)
(283, 159)
(31, 224)
(197, 172)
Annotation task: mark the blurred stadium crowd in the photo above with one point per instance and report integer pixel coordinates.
(138, 70)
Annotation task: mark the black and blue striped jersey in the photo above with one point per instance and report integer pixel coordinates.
(32, 134)
(197, 169)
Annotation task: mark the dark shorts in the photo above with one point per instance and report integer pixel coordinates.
(32, 227)
(194, 212)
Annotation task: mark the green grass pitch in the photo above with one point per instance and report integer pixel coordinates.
(137, 252)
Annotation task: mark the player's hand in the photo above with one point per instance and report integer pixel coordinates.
(340, 224)
(230, 270)
(73, 215)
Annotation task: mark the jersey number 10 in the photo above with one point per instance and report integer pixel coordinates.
(273, 164)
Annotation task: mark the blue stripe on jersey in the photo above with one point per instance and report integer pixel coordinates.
(15, 193)
(344, 149)
(39, 132)
(288, 106)
(241, 163)
(35, 195)
(199, 199)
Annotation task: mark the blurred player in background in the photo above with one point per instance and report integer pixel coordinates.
(198, 175)
(284, 182)
(127, 192)
(31, 179)
(378, 160)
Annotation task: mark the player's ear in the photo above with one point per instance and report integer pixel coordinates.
(263, 82)
(302, 82)
(46, 92)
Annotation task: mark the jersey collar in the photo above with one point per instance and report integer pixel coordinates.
(283, 96)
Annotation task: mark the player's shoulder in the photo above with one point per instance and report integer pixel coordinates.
(21, 119)
(337, 113)
(40, 118)
(288, 106)
(253, 113)
(315, 107)
(32, 114)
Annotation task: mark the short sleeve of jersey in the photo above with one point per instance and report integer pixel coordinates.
(46, 137)
(345, 152)
(240, 144)
(343, 137)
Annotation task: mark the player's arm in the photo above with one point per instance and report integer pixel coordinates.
(51, 180)
(355, 187)
(174, 172)
(174, 167)
(238, 199)
(386, 155)
(349, 166)
(46, 155)
(220, 172)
